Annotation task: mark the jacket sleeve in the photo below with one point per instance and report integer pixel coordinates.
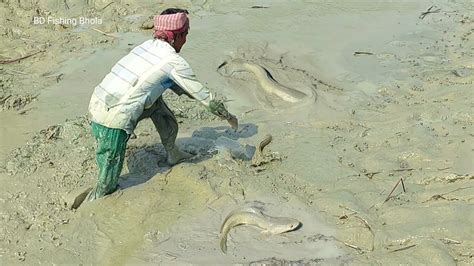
(184, 77)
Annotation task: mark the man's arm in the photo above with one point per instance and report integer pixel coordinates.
(186, 83)
(179, 91)
(215, 107)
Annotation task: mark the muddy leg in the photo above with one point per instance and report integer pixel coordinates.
(167, 126)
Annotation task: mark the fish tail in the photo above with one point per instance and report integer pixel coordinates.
(224, 243)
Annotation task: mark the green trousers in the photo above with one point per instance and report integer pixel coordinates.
(111, 145)
(110, 154)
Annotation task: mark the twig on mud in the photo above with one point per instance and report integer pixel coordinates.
(352, 246)
(403, 169)
(346, 216)
(403, 248)
(9, 61)
(365, 223)
(441, 196)
(429, 11)
(171, 256)
(393, 189)
(441, 169)
(107, 5)
(347, 244)
(210, 208)
(371, 174)
(454, 190)
(347, 208)
(363, 53)
(370, 229)
(403, 185)
(450, 241)
(104, 33)
(249, 111)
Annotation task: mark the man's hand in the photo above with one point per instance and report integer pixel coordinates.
(233, 122)
(218, 108)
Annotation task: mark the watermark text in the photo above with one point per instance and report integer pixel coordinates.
(66, 21)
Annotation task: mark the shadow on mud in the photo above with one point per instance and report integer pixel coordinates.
(148, 161)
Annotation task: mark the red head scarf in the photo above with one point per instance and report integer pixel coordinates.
(166, 26)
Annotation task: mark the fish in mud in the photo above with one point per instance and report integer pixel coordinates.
(254, 217)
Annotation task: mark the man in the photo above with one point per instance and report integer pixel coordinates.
(133, 91)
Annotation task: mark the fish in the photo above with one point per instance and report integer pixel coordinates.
(257, 158)
(264, 78)
(254, 217)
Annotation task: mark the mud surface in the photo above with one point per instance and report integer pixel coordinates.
(378, 167)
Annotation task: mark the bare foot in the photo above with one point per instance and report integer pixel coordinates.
(176, 156)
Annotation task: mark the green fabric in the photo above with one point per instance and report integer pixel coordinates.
(110, 153)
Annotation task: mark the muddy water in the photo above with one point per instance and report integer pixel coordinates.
(398, 113)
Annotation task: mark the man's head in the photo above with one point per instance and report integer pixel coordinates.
(172, 25)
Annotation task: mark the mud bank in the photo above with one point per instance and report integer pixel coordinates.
(379, 168)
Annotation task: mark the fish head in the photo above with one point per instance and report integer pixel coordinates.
(229, 67)
(285, 226)
(293, 225)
